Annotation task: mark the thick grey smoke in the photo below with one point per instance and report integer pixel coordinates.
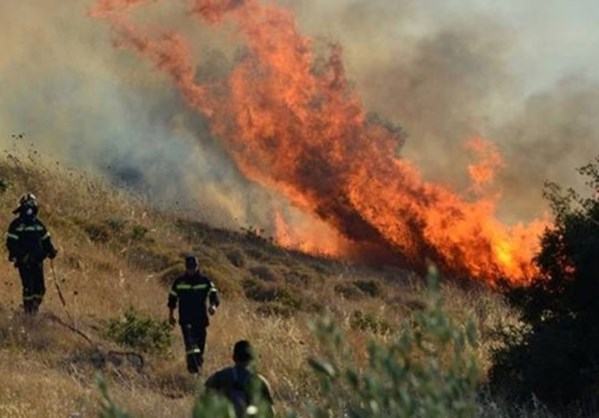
(443, 74)
(79, 99)
(556, 132)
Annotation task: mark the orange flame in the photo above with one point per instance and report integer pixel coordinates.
(312, 237)
(483, 172)
(296, 126)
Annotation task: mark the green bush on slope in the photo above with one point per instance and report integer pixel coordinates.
(139, 332)
(554, 355)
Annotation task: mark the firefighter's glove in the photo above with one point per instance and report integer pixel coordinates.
(212, 309)
(52, 254)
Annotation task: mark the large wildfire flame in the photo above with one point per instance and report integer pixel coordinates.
(292, 123)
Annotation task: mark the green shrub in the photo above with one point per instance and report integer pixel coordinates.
(138, 232)
(4, 184)
(369, 322)
(427, 370)
(140, 332)
(554, 355)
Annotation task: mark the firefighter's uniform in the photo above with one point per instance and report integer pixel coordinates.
(242, 385)
(193, 294)
(29, 243)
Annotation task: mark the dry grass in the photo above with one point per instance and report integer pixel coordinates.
(116, 252)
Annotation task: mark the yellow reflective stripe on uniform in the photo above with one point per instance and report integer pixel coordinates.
(37, 296)
(194, 351)
(13, 236)
(191, 287)
(173, 293)
(29, 297)
(46, 236)
(199, 286)
(22, 228)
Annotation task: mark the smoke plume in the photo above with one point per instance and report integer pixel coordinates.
(82, 101)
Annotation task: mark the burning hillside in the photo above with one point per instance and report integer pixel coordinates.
(292, 123)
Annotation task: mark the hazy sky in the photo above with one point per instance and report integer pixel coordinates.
(553, 37)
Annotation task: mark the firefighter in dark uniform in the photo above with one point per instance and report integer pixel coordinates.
(29, 243)
(247, 390)
(197, 299)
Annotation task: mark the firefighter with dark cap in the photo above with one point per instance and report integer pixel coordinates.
(29, 244)
(246, 389)
(197, 298)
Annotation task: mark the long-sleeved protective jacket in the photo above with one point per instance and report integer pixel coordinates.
(28, 241)
(191, 293)
(243, 387)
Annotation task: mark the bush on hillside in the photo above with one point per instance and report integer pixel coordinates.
(369, 322)
(4, 184)
(554, 355)
(140, 332)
